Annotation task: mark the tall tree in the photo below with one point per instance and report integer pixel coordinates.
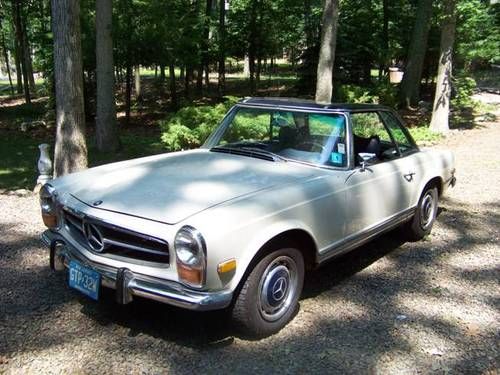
(21, 52)
(441, 109)
(222, 47)
(17, 63)
(6, 57)
(70, 149)
(252, 44)
(324, 83)
(137, 83)
(308, 24)
(173, 86)
(410, 86)
(106, 129)
(205, 43)
(27, 56)
(384, 55)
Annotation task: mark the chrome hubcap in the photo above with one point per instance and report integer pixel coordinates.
(427, 211)
(277, 288)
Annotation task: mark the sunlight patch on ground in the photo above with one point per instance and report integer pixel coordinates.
(460, 314)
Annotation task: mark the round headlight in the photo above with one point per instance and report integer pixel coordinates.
(190, 253)
(189, 247)
(47, 198)
(48, 206)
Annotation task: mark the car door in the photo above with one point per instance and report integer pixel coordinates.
(376, 193)
(409, 154)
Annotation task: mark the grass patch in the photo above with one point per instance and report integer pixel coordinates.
(19, 156)
(134, 145)
(424, 136)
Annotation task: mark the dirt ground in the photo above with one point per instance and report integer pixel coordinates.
(389, 307)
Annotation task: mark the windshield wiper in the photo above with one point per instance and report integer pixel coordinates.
(248, 151)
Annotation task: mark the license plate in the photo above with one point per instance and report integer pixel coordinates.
(84, 279)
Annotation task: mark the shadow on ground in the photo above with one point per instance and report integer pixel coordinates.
(338, 336)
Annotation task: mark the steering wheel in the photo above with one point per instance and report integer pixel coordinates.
(312, 145)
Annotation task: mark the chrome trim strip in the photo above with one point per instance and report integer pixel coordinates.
(133, 247)
(357, 239)
(165, 291)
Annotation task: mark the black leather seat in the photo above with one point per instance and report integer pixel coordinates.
(373, 146)
(287, 137)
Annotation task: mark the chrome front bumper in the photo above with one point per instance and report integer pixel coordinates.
(127, 284)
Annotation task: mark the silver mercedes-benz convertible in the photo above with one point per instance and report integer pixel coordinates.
(280, 186)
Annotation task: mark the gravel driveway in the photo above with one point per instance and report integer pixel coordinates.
(389, 307)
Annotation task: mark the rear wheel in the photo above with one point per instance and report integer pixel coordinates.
(269, 296)
(425, 215)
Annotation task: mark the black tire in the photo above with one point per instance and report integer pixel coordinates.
(423, 220)
(281, 275)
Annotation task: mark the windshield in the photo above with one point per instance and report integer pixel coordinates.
(306, 137)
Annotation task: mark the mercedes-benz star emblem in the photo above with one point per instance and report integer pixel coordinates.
(93, 236)
(279, 288)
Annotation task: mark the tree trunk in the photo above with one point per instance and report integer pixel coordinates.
(17, 63)
(106, 130)
(199, 81)
(162, 73)
(18, 27)
(246, 66)
(410, 86)
(221, 81)
(258, 70)
(205, 42)
(27, 58)
(7, 63)
(137, 83)
(173, 88)
(441, 109)
(187, 80)
(308, 24)
(70, 149)
(252, 44)
(128, 92)
(384, 56)
(324, 83)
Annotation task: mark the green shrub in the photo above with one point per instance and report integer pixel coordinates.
(424, 136)
(190, 126)
(387, 94)
(354, 94)
(381, 93)
(464, 89)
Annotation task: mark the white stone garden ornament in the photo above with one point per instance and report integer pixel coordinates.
(44, 165)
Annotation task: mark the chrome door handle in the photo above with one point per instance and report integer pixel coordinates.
(409, 176)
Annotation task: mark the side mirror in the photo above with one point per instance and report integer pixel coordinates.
(366, 158)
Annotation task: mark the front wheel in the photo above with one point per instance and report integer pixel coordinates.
(269, 296)
(425, 215)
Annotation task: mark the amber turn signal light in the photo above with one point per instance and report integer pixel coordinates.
(193, 276)
(226, 266)
(50, 221)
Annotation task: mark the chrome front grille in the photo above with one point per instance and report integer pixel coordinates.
(115, 242)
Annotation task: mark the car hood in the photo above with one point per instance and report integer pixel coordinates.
(171, 187)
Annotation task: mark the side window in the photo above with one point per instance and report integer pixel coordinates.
(371, 136)
(400, 134)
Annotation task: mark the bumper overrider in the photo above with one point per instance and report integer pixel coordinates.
(128, 284)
